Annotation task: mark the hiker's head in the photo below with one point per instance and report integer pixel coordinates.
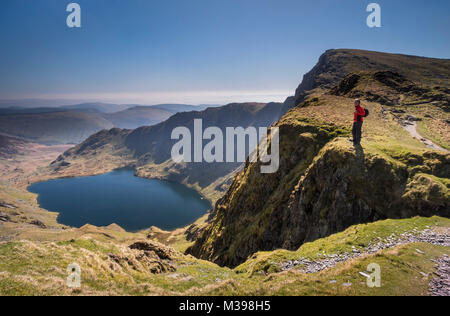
(357, 102)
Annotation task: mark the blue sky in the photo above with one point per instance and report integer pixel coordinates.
(196, 51)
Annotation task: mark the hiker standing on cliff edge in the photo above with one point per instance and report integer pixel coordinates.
(360, 113)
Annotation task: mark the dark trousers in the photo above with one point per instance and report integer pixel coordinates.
(357, 132)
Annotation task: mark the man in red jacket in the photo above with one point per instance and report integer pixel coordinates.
(360, 113)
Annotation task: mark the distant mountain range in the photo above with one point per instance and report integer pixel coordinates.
(71, 124)
(177, 108)
(96, 107)
(149, 148)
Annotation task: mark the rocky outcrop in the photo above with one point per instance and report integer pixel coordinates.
(345, 187)
(243, 220)
(147, 256)
(339, 188)
(4, 217)
(38, 223)
(193, 232)
(389, 88)
(332, 67)
(440, 284)
(162, 251)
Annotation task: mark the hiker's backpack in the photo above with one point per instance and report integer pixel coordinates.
(367, 112)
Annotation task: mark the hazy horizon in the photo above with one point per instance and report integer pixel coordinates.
(195, 98)
(199, 52)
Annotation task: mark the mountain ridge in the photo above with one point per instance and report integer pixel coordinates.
(148, 148)
(43, 125)
(335, 64)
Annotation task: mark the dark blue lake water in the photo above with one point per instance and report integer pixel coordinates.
(120, 197)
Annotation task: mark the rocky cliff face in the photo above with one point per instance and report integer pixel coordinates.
(243, 220)
(324, 183)
(396, 90)
(314, 196)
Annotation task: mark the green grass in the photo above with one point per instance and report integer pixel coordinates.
(359, 236)
(433, 124)
(400, 276)
(39, 268)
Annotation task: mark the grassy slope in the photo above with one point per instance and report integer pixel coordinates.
(27, 269)
(428, 71)
(177, 238)
(359, 236)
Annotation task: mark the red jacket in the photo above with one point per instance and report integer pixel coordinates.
(359, 114)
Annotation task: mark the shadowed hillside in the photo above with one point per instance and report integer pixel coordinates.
(138, 116)
(54, 127)
(149, 148)
(10, 146)
(73, 124)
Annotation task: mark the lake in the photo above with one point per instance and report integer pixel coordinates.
(121, 198)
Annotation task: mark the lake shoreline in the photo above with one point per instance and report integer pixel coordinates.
(189, 193)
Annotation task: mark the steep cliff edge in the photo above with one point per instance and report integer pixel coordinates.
(324, 183)
(317, 193)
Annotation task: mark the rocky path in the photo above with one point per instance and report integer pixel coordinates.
(409, 123)
(411, 127)
(439, 285)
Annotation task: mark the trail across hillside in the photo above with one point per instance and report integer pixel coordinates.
(441, 238)
(411, 127)
(439, 285)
